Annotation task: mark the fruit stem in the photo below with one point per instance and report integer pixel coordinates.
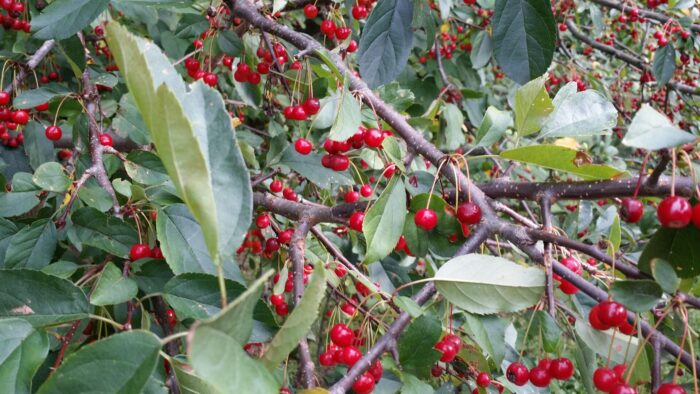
(612, 341)
(527, 331)
(639, 178)
(222, 281)
(673, 172)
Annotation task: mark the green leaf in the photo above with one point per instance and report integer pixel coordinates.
(112, 287)
(677, 247)
(413, 385)
(7, 230)
(581, 114)
(145, 167)
(384, 221)
(547, 329)
(445, 7)
(348, 118)
(213, 353)
(493, 126)
(61, 269)
(637, 295)
(230, 43)
(129, 122)
(63, 18)
(198, 296)
(489, 333)
(198, 147)
(523, 38)
(39, 298)
(183, 246)
(392, 148)
(665, 276)
(585, 363)
(386, 42)
(38, 147)
(129, 357)
(33, 246)
(454, 120)
(188, 382)
(22, 351)
(32, 98)
(17, 203)
(482, 50)
(564, 92)
(483, 284)
(51, 177)
(236, 320)
(104, 232)
(615, 236)
(416, 344)
(310, 167)
(299, 322)
(599, 342)
(664, 64)
(532, 106)
(563, 159)
(651, 130)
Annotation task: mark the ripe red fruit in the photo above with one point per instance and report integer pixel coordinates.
(483, 379)
(350, 355)
(448, 350)
(561, 368)
(42, 107)
(670, 388)
(326, 359)
(356, 220)
(342, 335)
(605, 379)
(282, 309)
(191, 64)
(674, 212)
(631, 210)
(277, 299)
(377, 370)
(289, 194)
(612, 313)
(517, 373)
(20, 117)
(272, 245)
(171, 316)
(53, 133)
(285, 236)
(426, 219)
(262, 221)
(139, 251)
(366, 190)
(340, 271)
(210, 79)
(303, 146)
(364, 384)
(696, 215)
(469, 213)
(454, 339)
(105, 139)
(342, 33)
(540, 377)
(594, 319)
(373, 138)
(339, 162)
(156, 253)
(312, 106)
(436, 371)
(351, 196)
(328, 27)
(310, 11)
(4, 98)
(359, 12)
(276, 186)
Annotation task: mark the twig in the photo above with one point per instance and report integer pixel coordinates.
(31, 64)
(546, 208)
(65, 341)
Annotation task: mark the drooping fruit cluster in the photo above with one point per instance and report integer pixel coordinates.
(449, 346)
(611, 380)
(541, 375)
(574, 265)
(610, 314)
(674, 212)
(16, 17)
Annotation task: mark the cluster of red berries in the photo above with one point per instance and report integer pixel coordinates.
(540, 376)
(12, 20)
(483, 380)
(195, 71)
(611, 380)
(344, 349)
(279, 301)
(610, 314)
(254, 239)
(288, 193)
(574, 265)
(449, 346)
(302, 111)
(142, 251)
(352, 195)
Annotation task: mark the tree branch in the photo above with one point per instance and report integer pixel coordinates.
(31, 64)
(624, 56)
(642, 12)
